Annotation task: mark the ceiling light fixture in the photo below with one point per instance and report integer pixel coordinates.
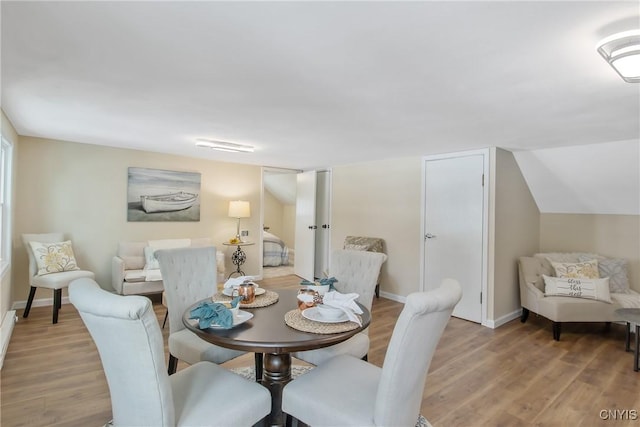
(224, 146)
(622, 52)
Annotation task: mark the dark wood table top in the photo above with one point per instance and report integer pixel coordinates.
(267, 332)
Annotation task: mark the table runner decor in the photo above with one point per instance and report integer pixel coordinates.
(264, 300)
(295, 320)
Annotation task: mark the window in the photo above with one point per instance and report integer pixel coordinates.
(5, 204)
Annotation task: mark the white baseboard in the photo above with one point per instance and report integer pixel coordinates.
(393, 297)
(493, 324)
(42, 302)
(6, 329)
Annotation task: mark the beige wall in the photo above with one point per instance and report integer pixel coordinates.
(273, 213)
(516, 231)
(289, 225)
(615, 236)
(280, 218)
(81, 189)
(5, 282)
(382, 199)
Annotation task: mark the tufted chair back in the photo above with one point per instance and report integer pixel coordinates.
(357, 271)
(126, 332)
(412, 345)
(189, 275)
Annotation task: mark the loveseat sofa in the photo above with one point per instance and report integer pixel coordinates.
(134, 269)
(561, 309)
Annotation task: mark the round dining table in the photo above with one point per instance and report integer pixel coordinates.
(266, 332)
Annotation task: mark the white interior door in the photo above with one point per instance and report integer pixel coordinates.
(323, 233)
(304, 261)
(454, 223)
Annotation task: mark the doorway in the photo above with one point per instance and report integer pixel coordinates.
(278, 221)
(455, 227)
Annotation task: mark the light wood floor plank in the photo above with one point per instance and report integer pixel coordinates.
(515, 375)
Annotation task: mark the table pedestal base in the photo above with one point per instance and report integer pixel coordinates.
(277, 373)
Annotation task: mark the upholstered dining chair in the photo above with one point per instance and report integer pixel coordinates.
(356, 271)
(126, 332)
(59, 267)
(351, 392)
(363, 243)
(189, 275)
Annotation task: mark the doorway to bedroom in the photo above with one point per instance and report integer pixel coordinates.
(278, 221)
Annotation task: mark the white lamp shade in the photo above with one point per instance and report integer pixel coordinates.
(239, 209)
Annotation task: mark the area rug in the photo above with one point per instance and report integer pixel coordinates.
(248, 372)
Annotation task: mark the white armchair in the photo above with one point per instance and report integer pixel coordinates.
(56, 280)
(126, 332)
(347, 391)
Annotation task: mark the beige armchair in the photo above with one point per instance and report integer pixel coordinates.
(561, 309)
(51, 251)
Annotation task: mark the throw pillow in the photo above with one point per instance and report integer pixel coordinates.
(616, 270)
(597, 289)
(351, 247)
(150, 260)
(54, 257)
(584, 270)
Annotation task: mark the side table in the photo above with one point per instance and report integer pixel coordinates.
(631, 315)
(238, 257)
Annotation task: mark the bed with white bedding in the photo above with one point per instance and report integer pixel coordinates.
(274, 251)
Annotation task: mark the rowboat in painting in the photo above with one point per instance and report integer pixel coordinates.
(168, 202)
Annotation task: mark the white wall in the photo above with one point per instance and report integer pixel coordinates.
(382, 199)
(81, 189)
(585, 179)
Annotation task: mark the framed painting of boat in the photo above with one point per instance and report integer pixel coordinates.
(162, 195)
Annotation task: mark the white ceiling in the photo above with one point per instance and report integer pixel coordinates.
(317, 84)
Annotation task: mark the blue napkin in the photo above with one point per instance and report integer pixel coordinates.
(325, 281)
(209, 313)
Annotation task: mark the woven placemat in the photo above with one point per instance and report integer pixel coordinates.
(268, 298)
(295, 320)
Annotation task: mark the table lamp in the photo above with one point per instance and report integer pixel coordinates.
(239, 209)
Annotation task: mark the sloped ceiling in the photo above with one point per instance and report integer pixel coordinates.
(282, 185)
(589, 179)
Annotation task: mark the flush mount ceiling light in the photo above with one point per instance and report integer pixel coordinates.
(224, 146)
(622, 52)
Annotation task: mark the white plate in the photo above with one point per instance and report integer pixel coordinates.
(242, 317)
(313, 314)
(228, 291)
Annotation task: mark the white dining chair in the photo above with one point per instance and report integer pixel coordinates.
(189, 275)
(56, 281)
(356, 272)
(347, 391)
(128, 337)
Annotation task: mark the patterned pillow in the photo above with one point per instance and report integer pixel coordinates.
(597, 289)
(616, 270)
(583, 270)
(53, 257)
(351, 247)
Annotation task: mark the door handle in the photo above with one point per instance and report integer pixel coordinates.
(430, 236)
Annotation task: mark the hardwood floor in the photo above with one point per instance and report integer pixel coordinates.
(516, 375)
